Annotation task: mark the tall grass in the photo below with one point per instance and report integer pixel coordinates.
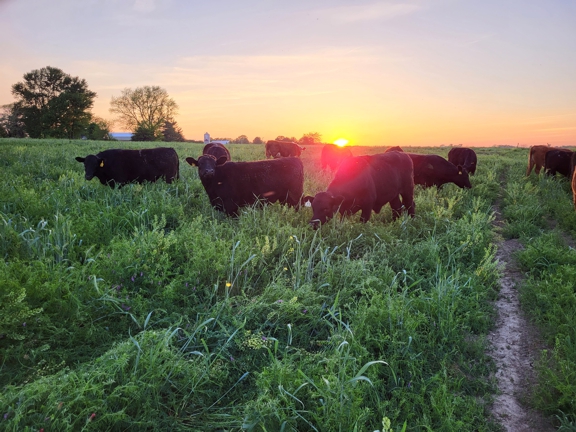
(144, 308)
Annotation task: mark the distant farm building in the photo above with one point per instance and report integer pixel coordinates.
(121, 136)
(207, 140)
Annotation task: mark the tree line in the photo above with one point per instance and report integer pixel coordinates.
(50, 103)
(306, 139)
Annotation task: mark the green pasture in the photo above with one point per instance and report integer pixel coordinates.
(142, 308)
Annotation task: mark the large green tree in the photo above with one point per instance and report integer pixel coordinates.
(146, 108)
(53, 103)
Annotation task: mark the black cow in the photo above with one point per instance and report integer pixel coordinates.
(217, 150)
(395, 148)
(367, 183)
(332, 156)
(434, 170)
(231, 185)
(465, 157)
(278, 149)
(558, 161)
(118, 166)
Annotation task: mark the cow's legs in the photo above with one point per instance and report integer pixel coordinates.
(396, 207)
(366, 212)
(408, 201)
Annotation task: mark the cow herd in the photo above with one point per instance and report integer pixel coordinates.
(553, 160)
(361, 183)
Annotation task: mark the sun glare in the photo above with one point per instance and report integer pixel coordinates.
(341, 142)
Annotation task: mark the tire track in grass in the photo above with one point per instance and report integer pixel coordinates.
(515, 345)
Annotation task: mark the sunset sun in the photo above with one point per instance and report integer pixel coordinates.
(341, 142)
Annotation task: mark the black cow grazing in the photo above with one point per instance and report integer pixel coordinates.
(231, 185)
(465, 157)
(366, 183)
(434, 170)
(278, 149)
(558, 161)
(118, 166)
(395, 148)
(217, 150)
(332, 156)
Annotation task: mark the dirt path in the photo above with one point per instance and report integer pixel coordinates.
(515, 347)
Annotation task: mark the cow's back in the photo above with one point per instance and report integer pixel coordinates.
(393, 174)
(394, 149)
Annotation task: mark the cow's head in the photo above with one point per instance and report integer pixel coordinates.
(462, 178)
(324, 206)
(92, 166)
(207, 165)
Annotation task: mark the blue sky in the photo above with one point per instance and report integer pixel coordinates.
(375, 72)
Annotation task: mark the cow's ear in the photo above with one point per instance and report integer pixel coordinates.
(80, 159)
(307, 201)
(101, 164)
(460, 170)
(221, 160)
(192, 161)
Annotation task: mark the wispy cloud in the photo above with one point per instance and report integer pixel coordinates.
(370, 11)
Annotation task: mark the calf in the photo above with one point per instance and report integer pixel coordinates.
(366, 183)
(278, 149)
(434, 170)
(332, 156)
(558, 160)
(465, 157)
(118, 166)
(231, 185)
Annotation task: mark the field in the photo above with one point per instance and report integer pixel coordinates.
(142, 308)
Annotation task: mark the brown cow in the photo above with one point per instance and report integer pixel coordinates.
(537, 157)
(279, 149)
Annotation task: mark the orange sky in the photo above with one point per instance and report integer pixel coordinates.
(374, 72)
